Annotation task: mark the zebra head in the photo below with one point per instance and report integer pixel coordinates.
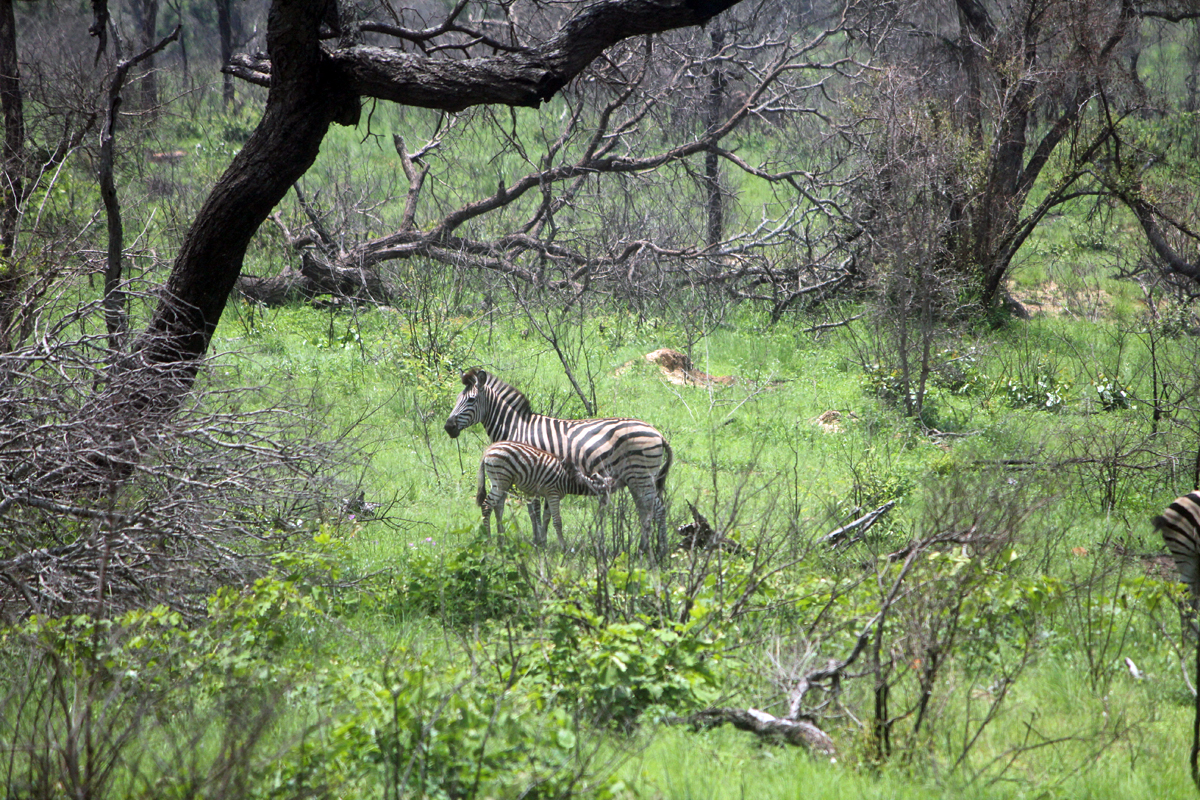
(489, 400)
(467, 410)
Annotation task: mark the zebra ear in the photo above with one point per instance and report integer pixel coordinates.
(468, 377)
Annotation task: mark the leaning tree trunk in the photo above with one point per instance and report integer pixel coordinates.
(306, 96)
(11, 274)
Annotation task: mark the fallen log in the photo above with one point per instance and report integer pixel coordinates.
(316, 277)
(801, 732)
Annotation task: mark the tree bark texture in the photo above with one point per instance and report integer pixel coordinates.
(225, 32)
(310, 88)
(306, 96)
(527, 77)
(316, 277)
(145, 15)
(714, 205)
(12, 103)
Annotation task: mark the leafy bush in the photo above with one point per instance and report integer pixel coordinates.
(422, 731)
(886, 384)
(878, 476)
(455, 745)
(465, 585)
(618, 670)
(202, 698)
(1113, 396)
(1042, 390)
(958, 373)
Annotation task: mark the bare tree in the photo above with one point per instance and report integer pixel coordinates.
(174, 521)
(115, 312)
(607, 197)
(34, 151)
(977, 77)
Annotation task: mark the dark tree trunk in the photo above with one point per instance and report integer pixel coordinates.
(145, 15)
(114, 300)
(225, 31)
(315, 277)
(115, 316)
(712, 118)
(14, 146)
(998, 211)
(306, 96)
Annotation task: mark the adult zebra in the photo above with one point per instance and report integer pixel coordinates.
(631, 452)
(1179, 525)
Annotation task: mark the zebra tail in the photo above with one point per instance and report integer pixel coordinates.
(661, 480)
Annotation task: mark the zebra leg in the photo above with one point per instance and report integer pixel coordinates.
(495, 503)
(645, 499)
(552, 502)
(660, 522)
(535, 518)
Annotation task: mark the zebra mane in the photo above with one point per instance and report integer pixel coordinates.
(513, 396)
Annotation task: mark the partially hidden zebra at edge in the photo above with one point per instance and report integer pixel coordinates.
(1179, 525)
(629, 451)
(538, 474)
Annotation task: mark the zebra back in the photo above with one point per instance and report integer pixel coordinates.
(1179, 525)
(530, 470)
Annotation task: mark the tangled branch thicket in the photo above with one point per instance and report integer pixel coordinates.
(104, 508)
(631, 188)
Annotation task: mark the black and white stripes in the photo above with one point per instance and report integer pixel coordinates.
(1179, 525)
(631, 452)
(536, 473)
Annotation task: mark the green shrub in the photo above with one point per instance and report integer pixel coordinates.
(1113, 396)
(958, 373)
(1042, 390)
(465, 585)
(422, 731)
(617, 670)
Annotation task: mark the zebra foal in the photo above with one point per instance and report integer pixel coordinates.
(630, 451)
(536, 473)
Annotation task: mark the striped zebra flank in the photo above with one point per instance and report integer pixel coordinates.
(537, 474)
(630, 452)
(1179, 525)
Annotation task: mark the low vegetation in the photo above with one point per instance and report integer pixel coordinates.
(1007, 625)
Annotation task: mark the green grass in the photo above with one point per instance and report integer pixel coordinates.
(751, 452)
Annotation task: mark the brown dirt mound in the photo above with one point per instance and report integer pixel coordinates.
(678, 369)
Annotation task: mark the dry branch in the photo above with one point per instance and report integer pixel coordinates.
(604, 137)
(799, 732)
(864, 522)
(101, 510)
